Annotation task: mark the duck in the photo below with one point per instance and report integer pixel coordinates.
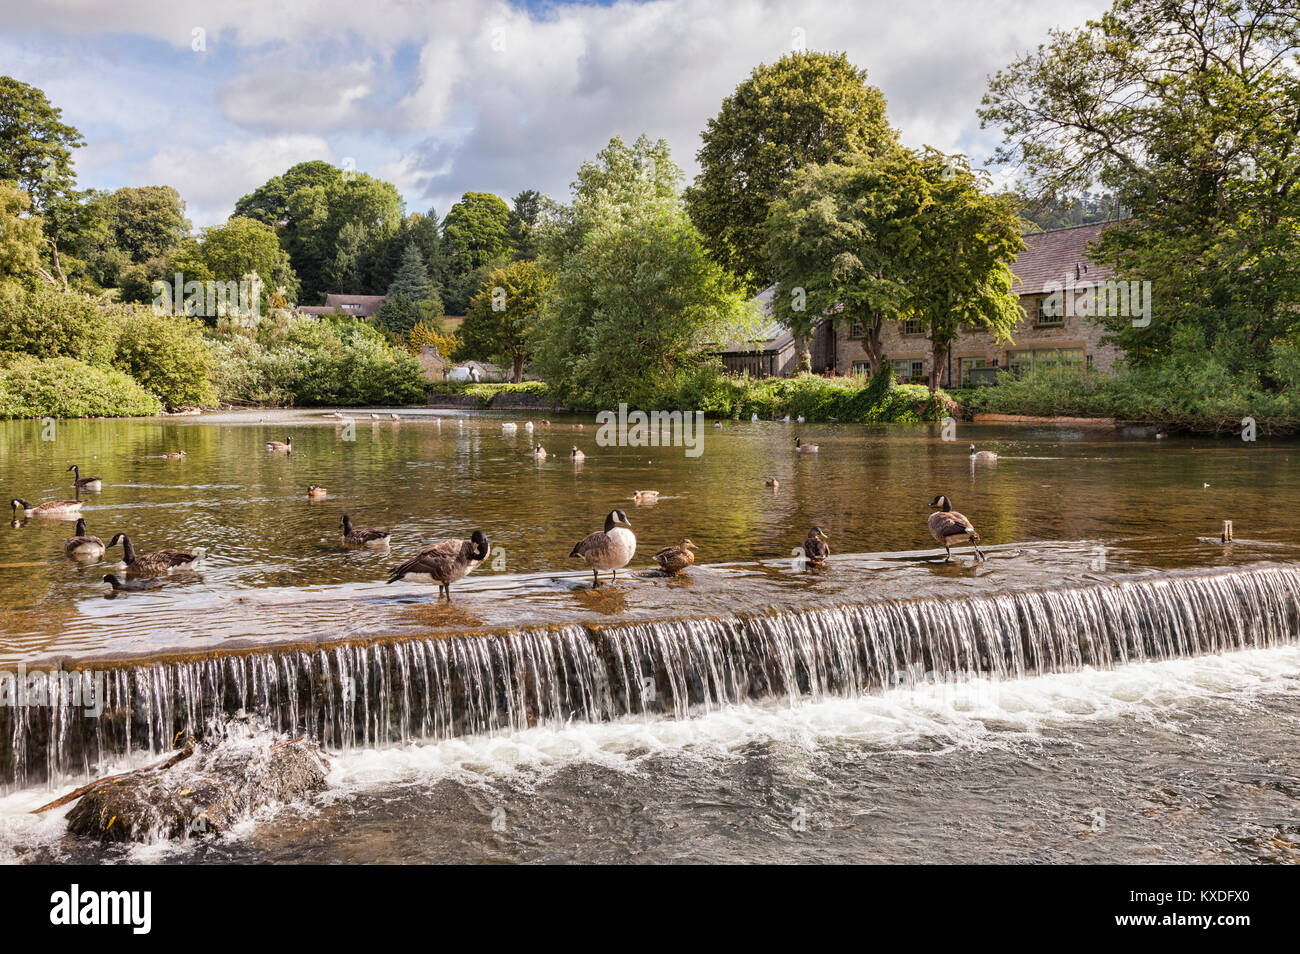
(92, 484)
(446, 562)
(395, 417)
(646, 496)
(717, 425)
(375, 539)
(175, 455)
(154, 564)
(83, 546)
(577, 455)
(509, 427)
(51, 508)
(315, 492)
(676, 558)
(982, 455)
(608, 549)
(947, 525)
(144, 583)
(802, 448)
(773, 483)
(284, 445)
(577, 427)
(815, 548)
(539, 452)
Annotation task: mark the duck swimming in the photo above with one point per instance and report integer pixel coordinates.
(316, 493)
(446, 562)
(608, 549)
(83, 546)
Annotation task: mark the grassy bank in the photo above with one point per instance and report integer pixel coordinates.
(848, 400)
(1170, 398)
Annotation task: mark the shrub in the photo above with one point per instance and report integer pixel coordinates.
(47, 323)
(65, 387)
(166, 354)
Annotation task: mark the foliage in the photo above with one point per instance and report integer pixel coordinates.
(476, 235)
(1186, 110)
(35, 144)
(806, 108)
(20, 234)
(487, 392)
(398, 315)
(229, 252)
(448, 345)
(412, 279)
(47, 323)
(167, 355)
(64, 387)
(502, 323)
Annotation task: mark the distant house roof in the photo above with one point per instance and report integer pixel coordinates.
(768, 337)
(1057, 257)
(362, 306)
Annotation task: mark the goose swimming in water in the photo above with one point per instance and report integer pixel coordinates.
(815, 548)
(83, 546)
(153, 564)
(375, 539)
(284, 445)
(608, 549)
(51, 508)
(982, 455)
(144, 583)
(539, 452)
(175, 455)
(577, 455)
(92, 484)
(803, 448)
(948, 527)
(316, 493)
(676, 558)
(446, 562)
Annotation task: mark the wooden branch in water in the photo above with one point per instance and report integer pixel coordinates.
(91, 786)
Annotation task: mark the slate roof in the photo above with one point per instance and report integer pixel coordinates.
(1052, 257)
(364, 305)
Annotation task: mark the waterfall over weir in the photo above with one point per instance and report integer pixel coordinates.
(391, 691)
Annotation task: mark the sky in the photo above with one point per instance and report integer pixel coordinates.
(443, 97)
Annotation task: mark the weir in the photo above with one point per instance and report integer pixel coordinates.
(381, 692)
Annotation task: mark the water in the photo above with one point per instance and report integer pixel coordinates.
(1104, 565)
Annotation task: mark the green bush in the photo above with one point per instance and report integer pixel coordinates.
(166, 354)
(65, 387)
(47, 323)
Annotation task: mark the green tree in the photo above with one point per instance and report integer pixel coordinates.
(412, 278)
(20, 235)
(234, 250)
(168, 356)
(399, 315)
(35, 144)
(503, 317)
(1188, 111)
(529, 213)
(476, 236)
(805, 108)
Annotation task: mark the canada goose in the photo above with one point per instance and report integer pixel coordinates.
(677, 558)
(786, 419)
(545, 423)
(577, 427)
(982, 455)
(446, 562)
(375, 539)
(815, 548)
(803, 448)
(1161, 434)
(947, 525)
(608, 549)
(577, 455)
(539, 452)
(83, 546)
(284, 445)
(717, 424)
(145, 583)
(51, 508)
(175, 455)
(156, 563)
(316, 492)
(92, 484)
(773, 483)
(646, 496)
(374, 417)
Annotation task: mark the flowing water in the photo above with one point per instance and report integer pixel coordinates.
(1111, 655)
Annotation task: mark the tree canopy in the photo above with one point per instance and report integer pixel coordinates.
(503, 317)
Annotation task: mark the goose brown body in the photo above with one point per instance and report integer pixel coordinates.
(83, 546)
(982, 455)
(51, 508)
(447, 561)
(608, 549)
(156, 563)
(674, 559)
(948, 526)
(92, 484)
(284, 445)
(368, 537)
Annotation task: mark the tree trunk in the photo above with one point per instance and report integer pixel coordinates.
(803, 363)
(518, 375)
(871, 344)
(937, 352)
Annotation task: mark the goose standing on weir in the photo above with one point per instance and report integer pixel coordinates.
(446, 562)
(154, 564)
(608, 549)
(83, 546)
(92, 484)
(949, 527)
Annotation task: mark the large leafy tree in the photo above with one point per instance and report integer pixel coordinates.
(20, 235)
(35, 144)
(503, 317)
(1189, 111)
(476, 238)
(232, 251)
(805, 108)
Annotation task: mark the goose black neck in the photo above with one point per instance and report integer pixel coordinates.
(128, 551)
(81, 526)
(347, 524)
(610, 523)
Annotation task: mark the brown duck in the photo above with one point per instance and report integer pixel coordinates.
(676, 558)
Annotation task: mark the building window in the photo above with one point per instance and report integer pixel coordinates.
(1038, 359)
(913, 326)
(966, 364)
(909, 370)
(1048, 311)
(856, 330)
(862, 366)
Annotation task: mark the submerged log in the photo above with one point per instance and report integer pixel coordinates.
(202, 793)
